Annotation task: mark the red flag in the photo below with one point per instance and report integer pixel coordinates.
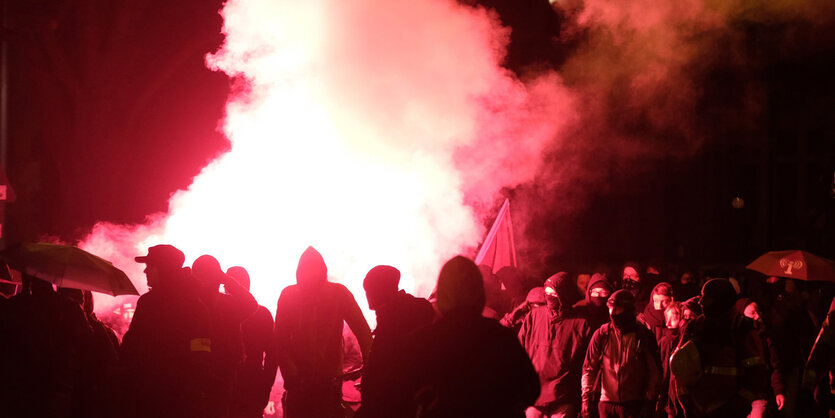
(498, 249)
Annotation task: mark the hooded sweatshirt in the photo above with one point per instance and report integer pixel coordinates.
(556, 342)
(595, 310)
(308, 326)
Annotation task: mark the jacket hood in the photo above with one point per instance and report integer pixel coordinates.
(312, 269)
(598, 280)
(460, 287)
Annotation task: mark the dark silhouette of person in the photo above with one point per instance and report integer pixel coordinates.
(95, 397)
(166, 351)
(226, 311)
(556, 339)
(308, 332)
(45, 342)
(465, 365)
(256, 374)
(729, 370)
(399, 315)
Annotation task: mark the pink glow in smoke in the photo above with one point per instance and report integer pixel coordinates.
(373, 130)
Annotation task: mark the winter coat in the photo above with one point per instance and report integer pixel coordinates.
(556, 345)
(465, 365)
(628, 365)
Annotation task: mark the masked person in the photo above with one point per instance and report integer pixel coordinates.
(556, 340)
(624, 356)
(597, 293)
(632, 281)
(309, 320)
(719, 366)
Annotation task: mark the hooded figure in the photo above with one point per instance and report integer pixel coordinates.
(623, 356)
(597, 293)
(556, 340)
(465, 365)
(308, 333)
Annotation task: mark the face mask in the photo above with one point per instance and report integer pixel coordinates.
(624, 320)
(630, 284)
(553, 302)
(598, 302)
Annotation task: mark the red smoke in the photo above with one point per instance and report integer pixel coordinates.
(372, 130)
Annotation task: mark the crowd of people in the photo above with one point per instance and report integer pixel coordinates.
(624, 343)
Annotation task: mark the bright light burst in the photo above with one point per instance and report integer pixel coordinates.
(363, 127)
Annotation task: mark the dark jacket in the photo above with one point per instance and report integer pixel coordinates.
(465, 365)
(627, 364)
(732, 356)
(556, 345)
(166, 352)
(397, 322)
(257, 373)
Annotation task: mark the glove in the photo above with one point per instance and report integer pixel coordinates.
(584, 410)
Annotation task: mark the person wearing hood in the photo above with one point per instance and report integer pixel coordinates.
(227, 311)
(624, 356)
(308, 333)
(399, 316)
(465, 365)
(719, 366)
(653, 315)
(535, 297)
(632, 281)
(594, 308)
(556, 339)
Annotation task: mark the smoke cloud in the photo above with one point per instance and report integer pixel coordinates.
(384, 132)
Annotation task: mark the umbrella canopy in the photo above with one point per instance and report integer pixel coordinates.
(68, 266)
(794, 264)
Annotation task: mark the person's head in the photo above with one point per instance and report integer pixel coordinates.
(536, 296)
(74, 295)
(583, 283)
(312, 270)
(691, 308)
(162, 261)
(599, 290)
(621, 306)
(752, 311)
(630, 277)
(559, 292)
(673, 315)
(240, 276)
(718, 297)
(381, 284)
(206, 269)
(687, 277)
(662, 295)
(89, 302)
(747, 307)
(460, 287)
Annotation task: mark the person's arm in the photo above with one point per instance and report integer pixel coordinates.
(283, 359)
(591, 367)
(356, 321)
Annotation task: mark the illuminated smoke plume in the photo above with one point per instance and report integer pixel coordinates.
(374, 130)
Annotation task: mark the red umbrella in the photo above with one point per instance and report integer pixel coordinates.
(794, 264)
